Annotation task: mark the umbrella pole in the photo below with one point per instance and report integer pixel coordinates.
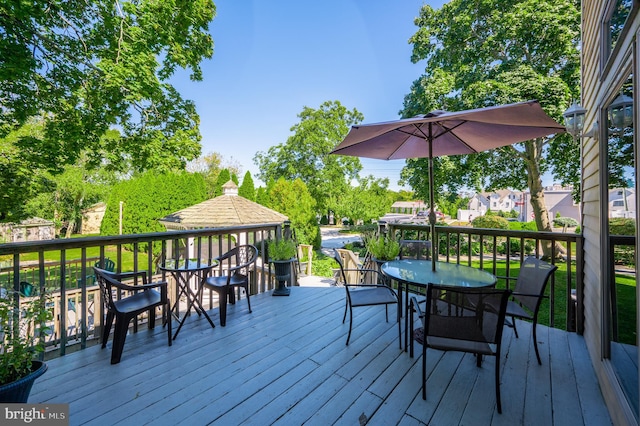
(432, 213)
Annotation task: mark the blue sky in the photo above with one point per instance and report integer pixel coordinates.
(273, 58)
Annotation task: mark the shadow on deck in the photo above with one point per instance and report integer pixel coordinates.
(287, 363)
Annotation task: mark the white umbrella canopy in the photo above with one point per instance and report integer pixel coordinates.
(448, 133)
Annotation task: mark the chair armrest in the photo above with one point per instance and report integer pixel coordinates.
(415, 305)
(124, 275)
(141, 287)
(544, 296)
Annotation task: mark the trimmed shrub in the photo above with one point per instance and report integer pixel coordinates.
(561, 222)
(491, 222)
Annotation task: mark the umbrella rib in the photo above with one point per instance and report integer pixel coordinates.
(446, 130)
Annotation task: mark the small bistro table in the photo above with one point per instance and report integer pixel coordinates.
(419, 273)
(183, 272)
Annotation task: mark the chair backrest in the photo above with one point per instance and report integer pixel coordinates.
(466, 314)
(105, 281)
(532, 280)
(338, 258)
(106, 264)
(415, 249)
(242, 256)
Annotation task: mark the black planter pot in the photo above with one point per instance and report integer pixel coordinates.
(18, 391)
(283, 274)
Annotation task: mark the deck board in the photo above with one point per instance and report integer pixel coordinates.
(287, 363)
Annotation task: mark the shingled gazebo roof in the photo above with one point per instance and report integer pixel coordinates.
(228, 209)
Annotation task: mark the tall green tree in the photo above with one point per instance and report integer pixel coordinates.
(293, 199)
(247, 189)
(86, 67)
(368, 201)
(305, 153)
(149, 197)
(493, 52)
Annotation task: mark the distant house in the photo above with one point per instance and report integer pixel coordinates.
(557, 199)
(622, 202)
(409, 207)
(92, 218)
(34, 229)
(503, 200)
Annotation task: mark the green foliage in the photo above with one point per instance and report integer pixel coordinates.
(294, 200)
(282, 249)
(85, 67)
(490, 222)
(382, 247)
(368, 201)
(150, 197)
(223, 177)
(305, 153)
(323, 265)
(514, 245)
(561, 222)
(20, 342)
(527, 51)
(523, 226)
(247, 189)
(622, 226)
(262, 196)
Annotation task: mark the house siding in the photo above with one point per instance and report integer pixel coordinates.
(599, 78)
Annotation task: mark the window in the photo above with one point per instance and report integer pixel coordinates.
(621, 309)
(618, 12)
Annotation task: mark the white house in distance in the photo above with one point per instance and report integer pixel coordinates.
(558, 200)
(622, 202)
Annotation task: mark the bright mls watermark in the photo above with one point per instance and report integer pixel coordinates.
(34, 414)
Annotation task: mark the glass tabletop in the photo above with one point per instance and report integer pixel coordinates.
(419, 272)
(189, 265)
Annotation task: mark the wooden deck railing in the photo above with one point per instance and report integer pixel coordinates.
(69, 284)
(502, 251)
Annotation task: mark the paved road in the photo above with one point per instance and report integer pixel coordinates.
(332, 238)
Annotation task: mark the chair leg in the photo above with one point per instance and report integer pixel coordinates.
(350, 324)
(222, 301)
(424, 370)
(151, 321)
(166, 314)
(498, 383)
(399, 333)
(535, 341)
(513, 322)
(107, 329)
(346, 306)
(119, 337)
(246, 289)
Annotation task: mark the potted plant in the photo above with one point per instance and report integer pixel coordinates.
(382, 247)
(20, 344)
(281, 253)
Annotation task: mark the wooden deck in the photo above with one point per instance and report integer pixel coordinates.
(287, 363)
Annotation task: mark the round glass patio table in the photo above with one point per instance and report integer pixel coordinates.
(419, 273)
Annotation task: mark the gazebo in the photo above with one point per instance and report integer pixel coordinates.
(228, 209)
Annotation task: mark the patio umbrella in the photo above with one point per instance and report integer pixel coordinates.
(448, 133)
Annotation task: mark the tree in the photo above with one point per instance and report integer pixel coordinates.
(63, 197)
(247, 189)
(86, 67)
(149, 197)
(305, 154)
(368, 201)
(293, 199)
(223, 177)
(494, 52)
